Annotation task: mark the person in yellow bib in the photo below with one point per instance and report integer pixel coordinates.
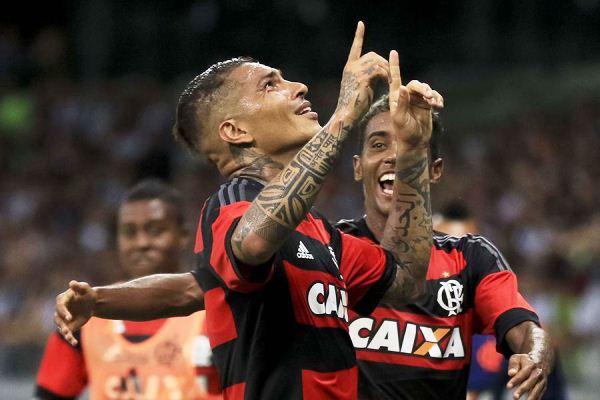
(164, 359)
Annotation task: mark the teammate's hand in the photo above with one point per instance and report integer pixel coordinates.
(74, 308)
(411, 106)
(360, 72)
(527, 376)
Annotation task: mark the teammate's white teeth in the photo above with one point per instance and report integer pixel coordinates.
(387, 177)
(386, 181)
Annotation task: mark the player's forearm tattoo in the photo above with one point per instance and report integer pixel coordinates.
(348, 89)
(408, 232)
(288, 197)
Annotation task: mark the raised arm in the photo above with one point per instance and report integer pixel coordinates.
(408, 232)
(286, 200)
(142, 299)
(530, 366)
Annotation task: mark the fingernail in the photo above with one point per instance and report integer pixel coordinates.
(509, 385)
(429, 93)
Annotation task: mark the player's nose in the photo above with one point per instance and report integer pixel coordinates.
(298, 89)
(141, 241)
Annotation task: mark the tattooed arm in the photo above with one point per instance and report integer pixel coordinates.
(287, 198)
(408, 233)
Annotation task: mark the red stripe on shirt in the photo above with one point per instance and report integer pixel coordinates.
(62, 369)
(339, 385)
(443, 264)
(219, 318)
(497, 293)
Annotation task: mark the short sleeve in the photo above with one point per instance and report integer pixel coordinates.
(216, 261)
(498, 304)
(368, 270)
(62, 372)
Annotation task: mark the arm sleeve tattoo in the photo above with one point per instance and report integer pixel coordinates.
(286, 200)
(408, 234)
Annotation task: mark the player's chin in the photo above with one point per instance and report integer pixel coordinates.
(143, 268)
(309, 125)
(384, 202)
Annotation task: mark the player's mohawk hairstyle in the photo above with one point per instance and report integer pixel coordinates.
(201, 90)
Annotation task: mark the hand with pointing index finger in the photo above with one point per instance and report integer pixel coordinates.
(411, 106)
(360, 72)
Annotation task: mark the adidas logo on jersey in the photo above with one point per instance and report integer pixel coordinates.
(303, 252)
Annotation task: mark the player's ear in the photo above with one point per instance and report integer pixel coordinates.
(436, 170)
(231, 132)
(357, 168)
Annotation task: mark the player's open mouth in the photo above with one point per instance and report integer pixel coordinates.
(386, 183)
(306, 110)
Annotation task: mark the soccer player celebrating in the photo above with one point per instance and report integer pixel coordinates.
(272, 271)
(119, 360)
(422, 350)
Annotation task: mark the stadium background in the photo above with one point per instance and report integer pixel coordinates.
(87, 97)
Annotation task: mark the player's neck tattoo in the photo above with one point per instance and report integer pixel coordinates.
(255, 164)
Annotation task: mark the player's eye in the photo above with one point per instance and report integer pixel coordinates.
(155, 230)
(127, 231)
(378, 146)
(270, 84)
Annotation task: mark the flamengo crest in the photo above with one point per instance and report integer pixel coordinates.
(450, 296)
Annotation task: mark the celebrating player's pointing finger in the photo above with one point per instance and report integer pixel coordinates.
(360, 71)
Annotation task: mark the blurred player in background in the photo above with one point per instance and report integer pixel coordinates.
(487, 375)
(125, 360)
(422, 350)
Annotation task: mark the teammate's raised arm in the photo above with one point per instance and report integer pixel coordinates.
(285, 200)
(408, 231)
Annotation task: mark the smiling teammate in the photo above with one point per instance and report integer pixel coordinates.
(120, 360)
(422, 350)
(273, 272)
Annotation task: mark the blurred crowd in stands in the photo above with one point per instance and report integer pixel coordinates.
(69, 150)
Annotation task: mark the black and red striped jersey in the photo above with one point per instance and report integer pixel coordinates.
(280, 330)
(423, 350)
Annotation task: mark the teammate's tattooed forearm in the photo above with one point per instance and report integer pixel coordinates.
(286, 199)
(408, 232)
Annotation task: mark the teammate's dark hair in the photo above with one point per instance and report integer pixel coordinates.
(456, 210)
(151, 189)
(382, 105)
(201, 91)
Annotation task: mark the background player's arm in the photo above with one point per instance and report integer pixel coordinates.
(408, 232)
(142, 299)
(286, 200)
(62, 373)
(532, 362)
